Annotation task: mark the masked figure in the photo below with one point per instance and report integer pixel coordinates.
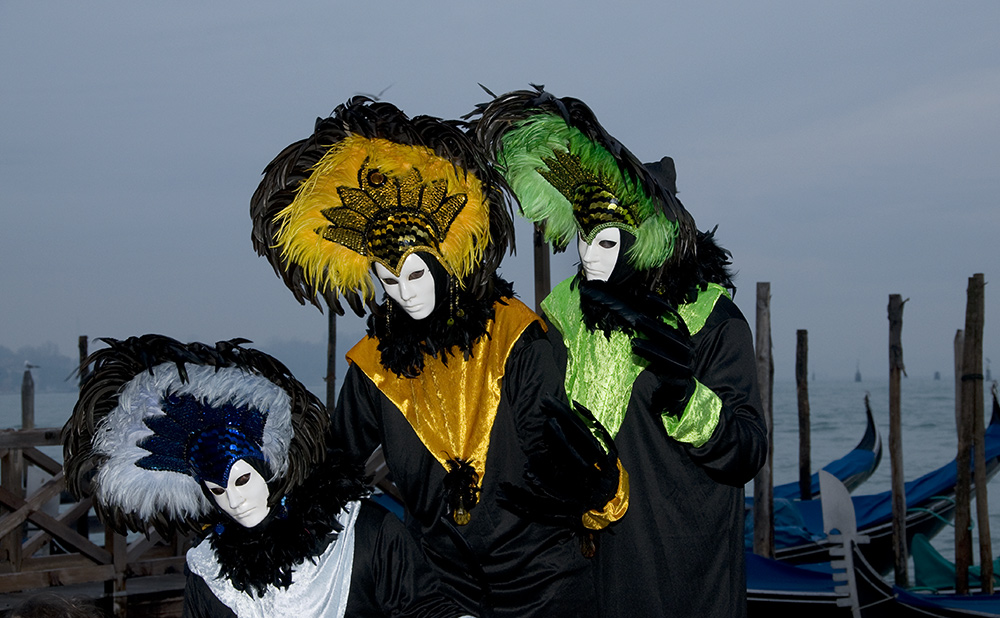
(224, 442)
(652, 344)
(453, 376)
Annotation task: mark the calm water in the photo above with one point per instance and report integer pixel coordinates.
(837, 423)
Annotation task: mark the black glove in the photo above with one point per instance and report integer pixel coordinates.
(568, 472)
(667, 348)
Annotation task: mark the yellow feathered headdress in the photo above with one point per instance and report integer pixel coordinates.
(372, 185)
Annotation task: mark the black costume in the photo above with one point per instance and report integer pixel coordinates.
(454, 396)
(678, 551)
(498, 559)
(654, 347)
(165, 424)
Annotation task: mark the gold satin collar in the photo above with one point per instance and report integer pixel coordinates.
(452, 407)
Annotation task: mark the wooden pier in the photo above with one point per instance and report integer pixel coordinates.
(47, 541)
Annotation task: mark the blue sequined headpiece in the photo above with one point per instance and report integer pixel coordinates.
(156, 418)
(197, 438)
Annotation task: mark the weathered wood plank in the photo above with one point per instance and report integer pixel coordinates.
(23, 508)
(56, 561)
(172, 565)
(77, 511)
(26, 438)
(57, 528)
(28, 580)
(42, 460)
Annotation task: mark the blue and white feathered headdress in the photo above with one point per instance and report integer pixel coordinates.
(157, 417)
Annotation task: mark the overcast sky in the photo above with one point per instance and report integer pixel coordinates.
(847, 151)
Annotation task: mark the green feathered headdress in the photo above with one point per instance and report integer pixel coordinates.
(571, 177)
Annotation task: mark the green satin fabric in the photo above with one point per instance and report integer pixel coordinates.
(600, 370)
(700, 417)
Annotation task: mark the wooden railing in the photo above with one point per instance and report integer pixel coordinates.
(40, 550)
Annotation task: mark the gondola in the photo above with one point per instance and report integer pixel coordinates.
(821, 590)
(780, 590)
(877, 598)
(799, 536)
(932, 572)
(852, 469)
(847, 585)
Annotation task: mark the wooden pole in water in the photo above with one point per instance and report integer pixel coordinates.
(331, 358)
(895, 439)
(12, 472)
(972, 405)
(959, 345)
(802, 389)
(763, 484)
(27, 400)
(543, 277)
(963, 460)
(81, 345)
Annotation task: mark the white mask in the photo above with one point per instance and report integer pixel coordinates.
(600, 256)
(245, 496)
(413, 289)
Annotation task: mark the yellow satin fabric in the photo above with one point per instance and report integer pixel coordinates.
(452, 407)
(615, 508)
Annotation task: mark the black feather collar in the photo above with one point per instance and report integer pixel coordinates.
(404, 342)
(598, 317)
(300, 527)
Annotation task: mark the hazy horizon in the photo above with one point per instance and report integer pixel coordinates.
(845, 151)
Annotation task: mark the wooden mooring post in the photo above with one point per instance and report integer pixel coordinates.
(896, 369)
(802, 391)
(12, 477)
(959, 346)
(970, 458)
(331, 358)
(81, 344)
(763, 483)
(543, 276)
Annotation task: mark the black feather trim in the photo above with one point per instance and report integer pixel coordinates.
(405, 342)
(461, 486)
(676, 286)
(299, 529)
(596, 316)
